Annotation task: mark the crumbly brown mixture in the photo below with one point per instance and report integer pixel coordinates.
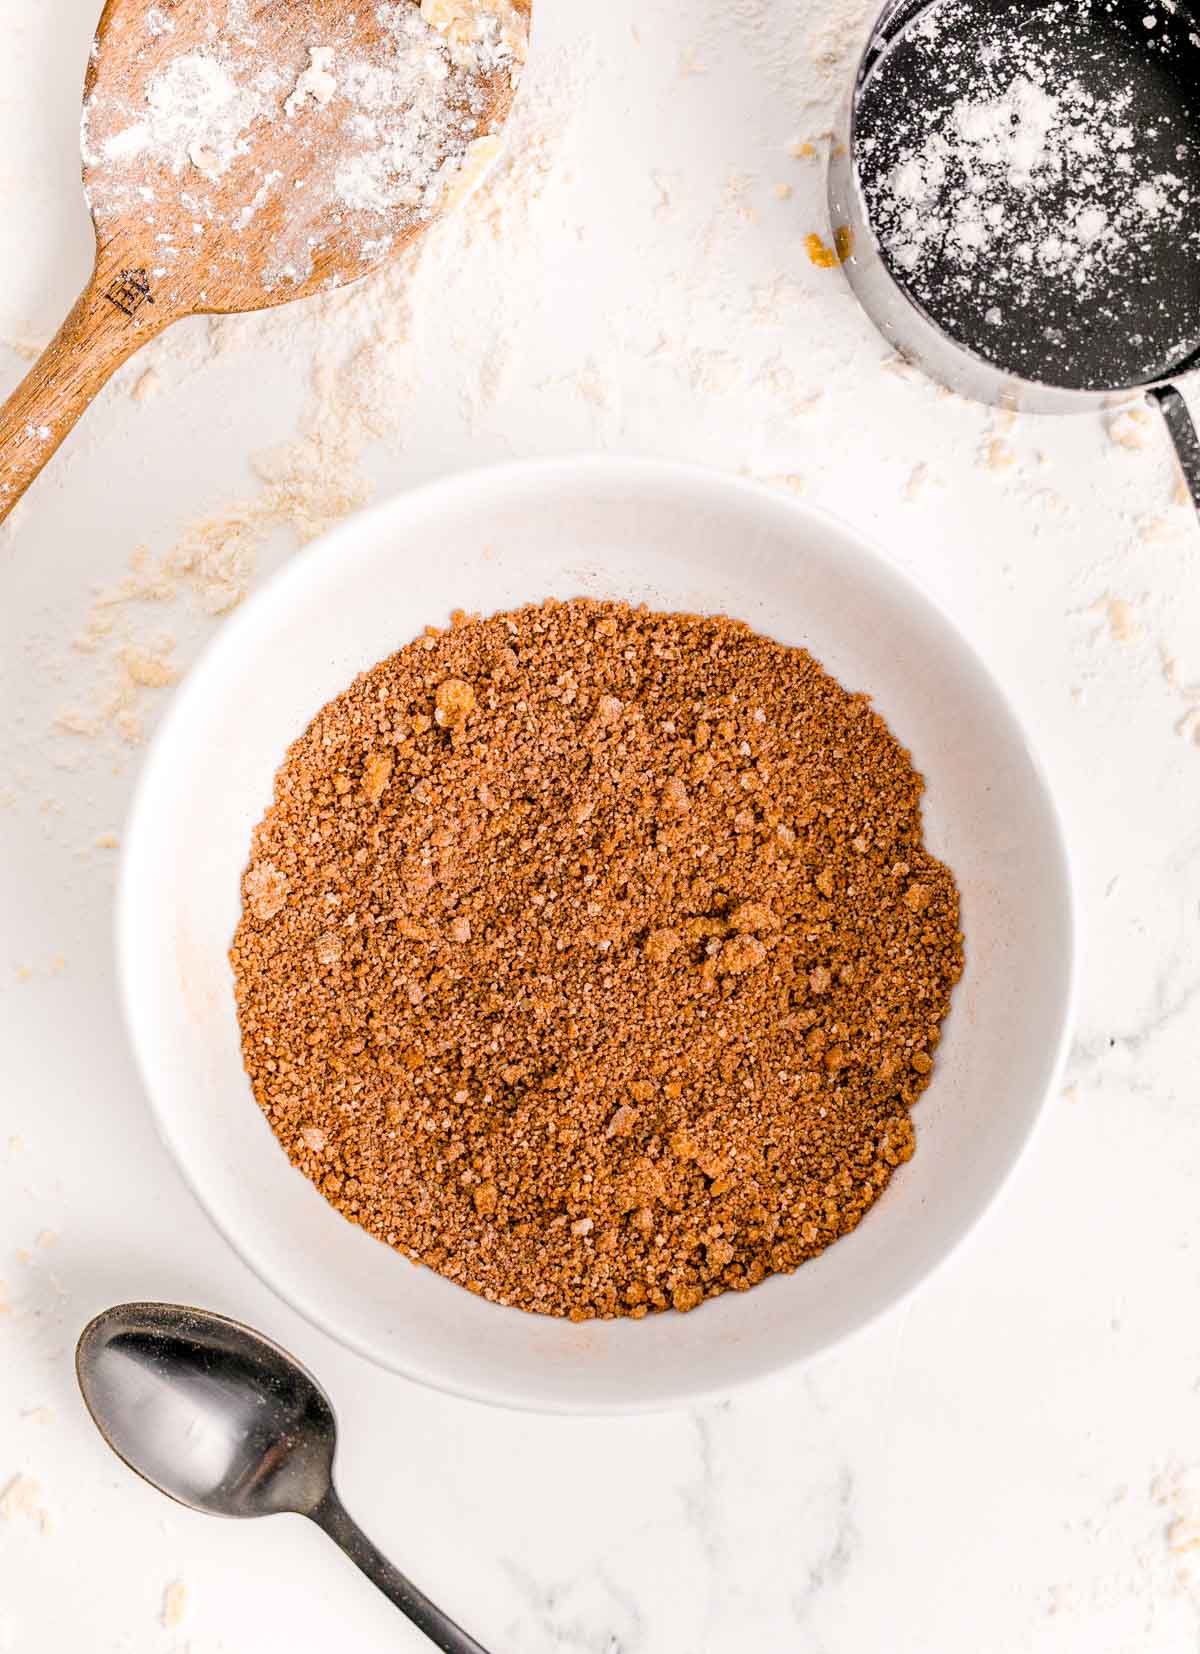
(591, 956)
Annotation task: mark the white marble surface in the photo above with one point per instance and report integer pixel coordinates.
(1010, 1464)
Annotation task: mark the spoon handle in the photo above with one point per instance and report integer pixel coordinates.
(332, 1516)
(109, 321)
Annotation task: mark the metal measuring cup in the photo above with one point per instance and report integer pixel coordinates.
(907, 324)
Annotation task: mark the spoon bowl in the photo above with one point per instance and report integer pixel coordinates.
(211, 1414)
(252, 154)
(238, 154)
(222, 1420)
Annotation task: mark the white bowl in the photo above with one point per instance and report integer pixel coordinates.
(675, 538)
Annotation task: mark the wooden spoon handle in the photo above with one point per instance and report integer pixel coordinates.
(109, 322)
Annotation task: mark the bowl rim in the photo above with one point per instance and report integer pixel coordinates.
(426, 498)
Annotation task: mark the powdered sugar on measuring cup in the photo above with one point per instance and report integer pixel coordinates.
(1010, 172)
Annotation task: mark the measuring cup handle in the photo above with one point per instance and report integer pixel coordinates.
(1183, 435)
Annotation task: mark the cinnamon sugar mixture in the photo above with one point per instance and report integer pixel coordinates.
(591, 956)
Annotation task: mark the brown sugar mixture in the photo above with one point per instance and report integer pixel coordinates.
(591, 956)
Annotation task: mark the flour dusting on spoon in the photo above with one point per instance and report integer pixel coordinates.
(375, 116)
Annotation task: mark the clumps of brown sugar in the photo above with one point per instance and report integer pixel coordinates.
(265, 890)
(591, 957)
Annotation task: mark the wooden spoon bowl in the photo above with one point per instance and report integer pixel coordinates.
(238, 154)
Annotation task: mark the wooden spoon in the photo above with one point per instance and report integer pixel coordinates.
(239, 154)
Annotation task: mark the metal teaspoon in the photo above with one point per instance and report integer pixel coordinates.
(220, 1419)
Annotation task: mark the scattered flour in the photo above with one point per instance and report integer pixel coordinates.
(21, 1499)
(997, 455)
(1187, 695)
(196, 114)
(317, 81)
(788, 482)
(1120, 617)
(146, 386)
(713, 372)
(1177, 1493)
(174, 1606)
(594, 385)
(25, 346)
(1133, 428)
(116, 703)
